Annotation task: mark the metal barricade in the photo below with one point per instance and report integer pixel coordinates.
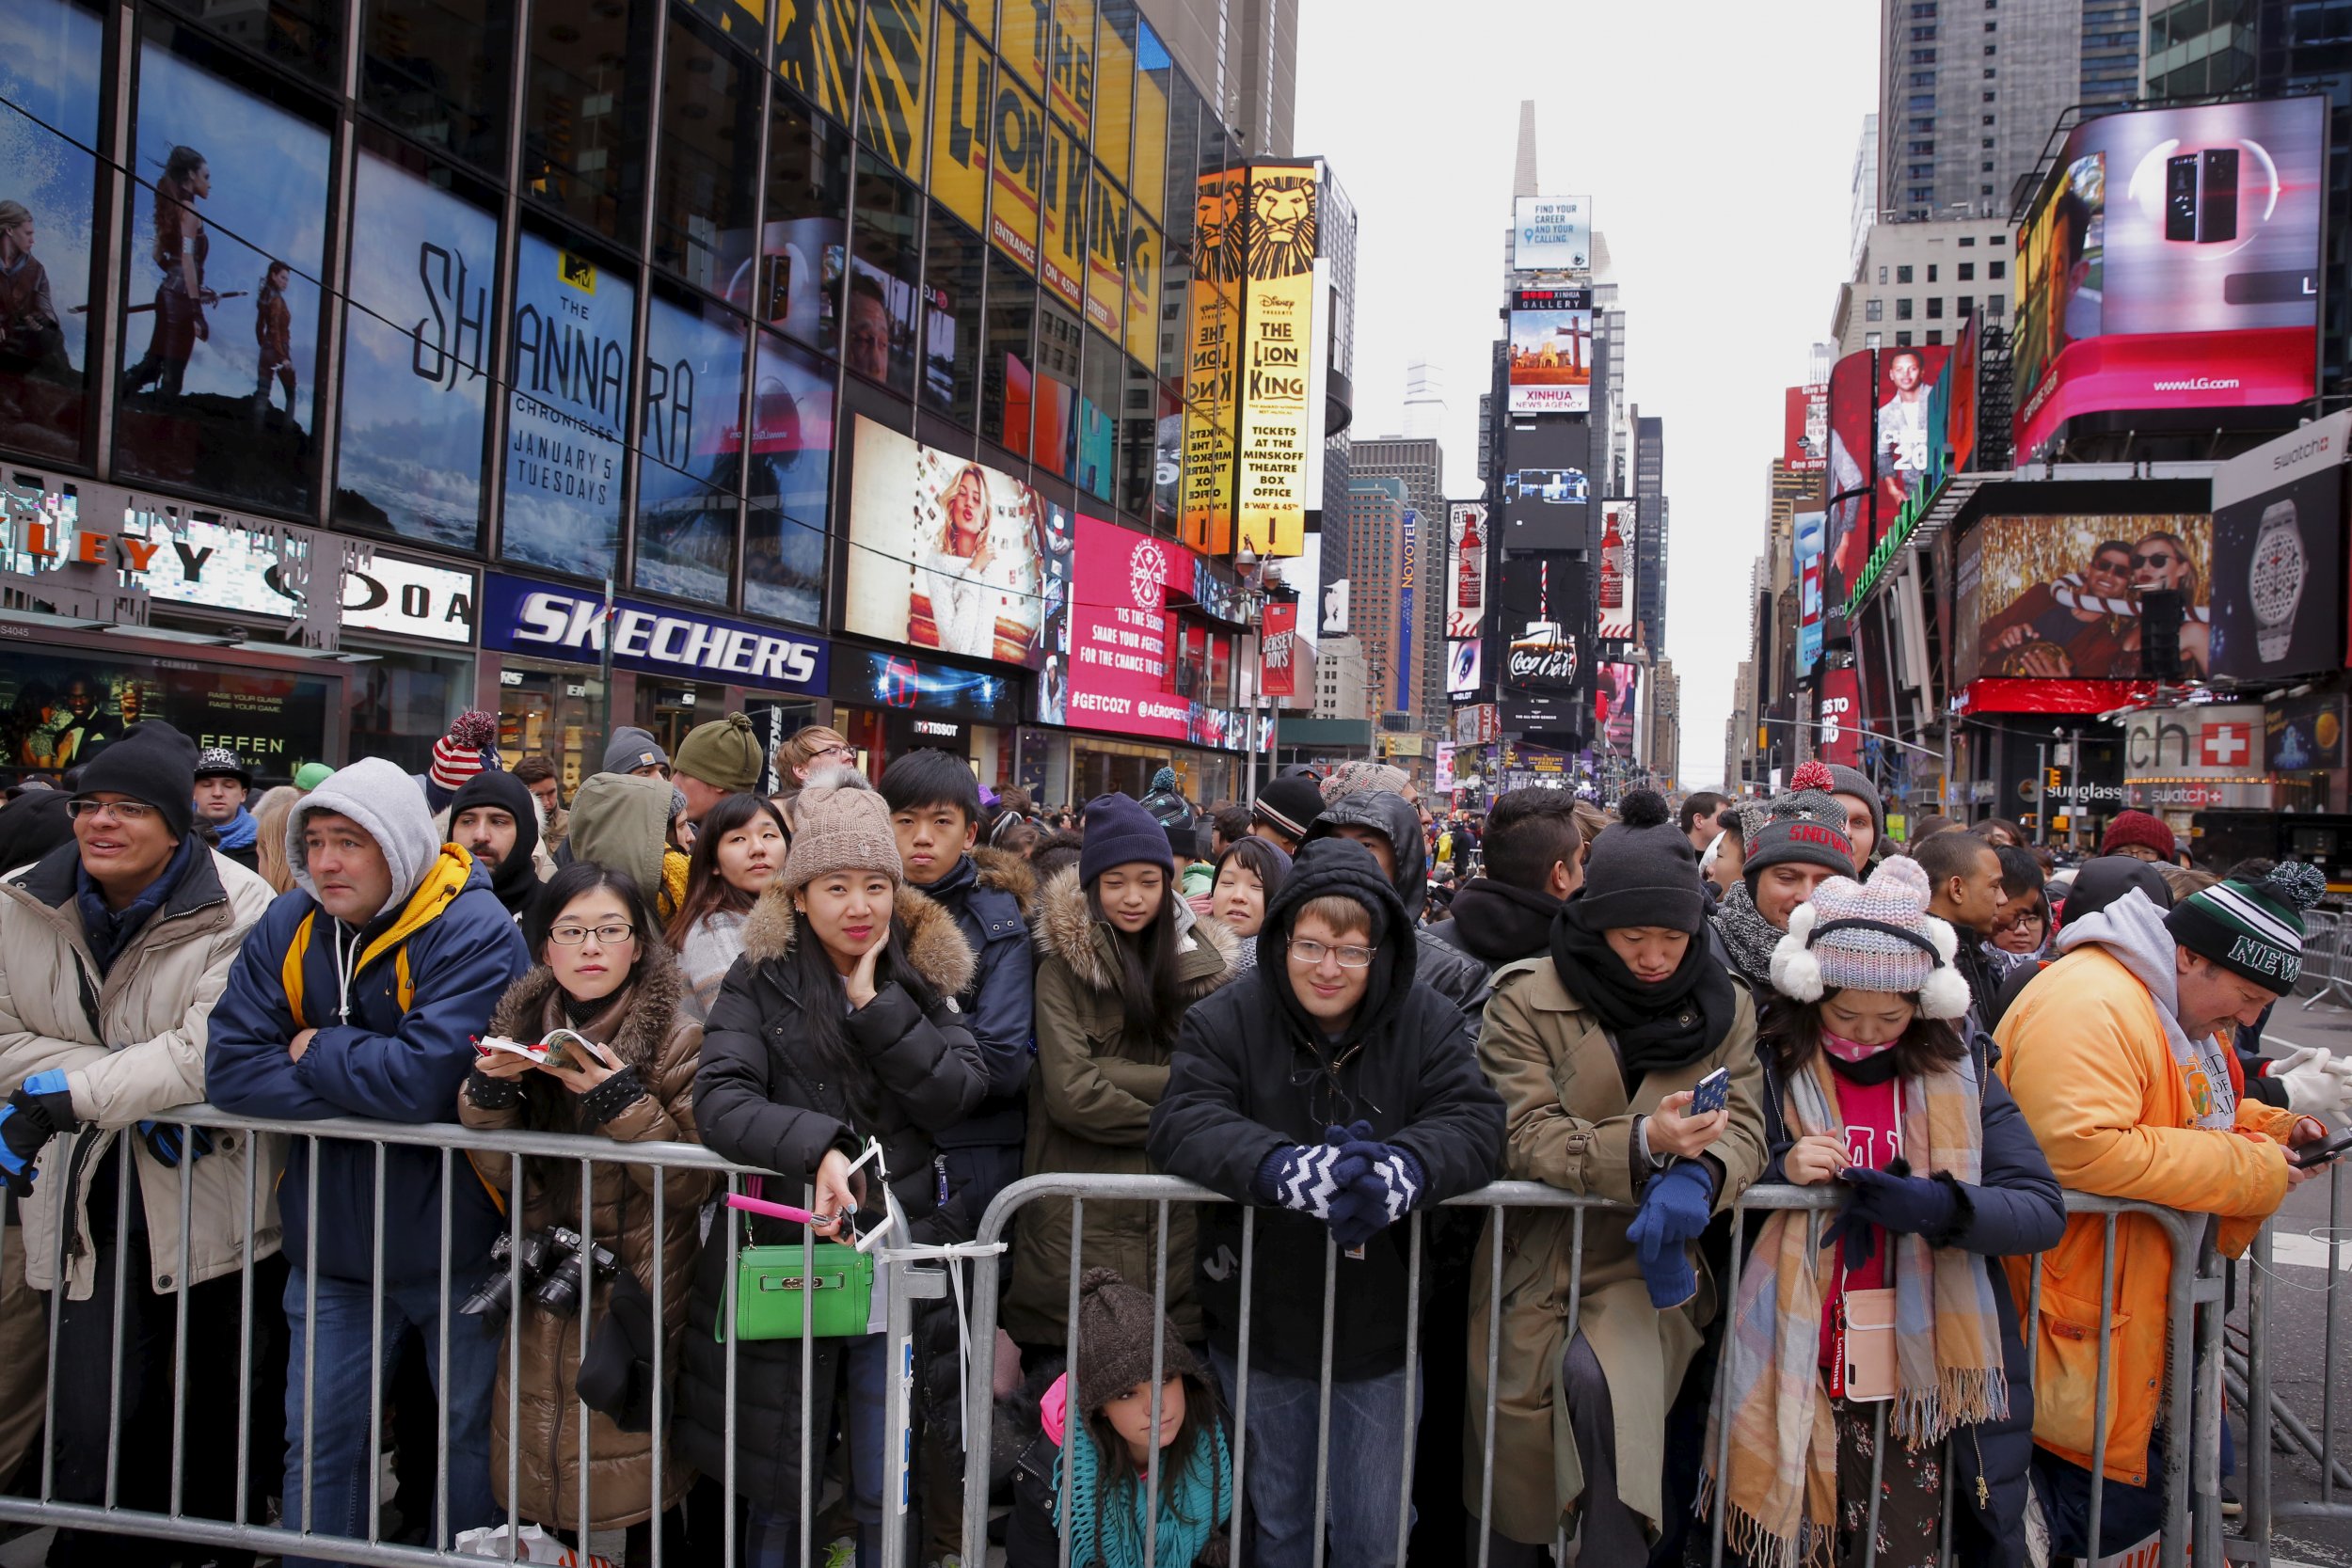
(2331, 933)
(901, 1270)
(2273, 1426)
(2191, 1396)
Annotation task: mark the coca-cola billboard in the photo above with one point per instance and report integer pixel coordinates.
(1544, 658)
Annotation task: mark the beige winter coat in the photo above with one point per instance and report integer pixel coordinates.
(133, 1049)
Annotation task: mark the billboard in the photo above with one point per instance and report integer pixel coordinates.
(1205, 495)
(1878, 453)
(1124, 667)
(1551, 360)
(1404, 614)
(2278, 555)
(1809, 528)
(1552, 233)
(1464, 665)
(1277, 647)
(1838, 741)
(1466, 584)
(2171, 262)
(1804, 435)
(951, 554)
(2300, 734)
(1277, 423)
(1960, 408)
(2056, 597)
(1615, 595)
(1547, 494)
(1616, 704)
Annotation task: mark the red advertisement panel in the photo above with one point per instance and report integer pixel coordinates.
(1277, 641)
(1838, 741)
(1119, 632)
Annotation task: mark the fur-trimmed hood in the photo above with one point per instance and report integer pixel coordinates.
(1067, 930)
(1009, 873)
(635, 1030)
(937, 950)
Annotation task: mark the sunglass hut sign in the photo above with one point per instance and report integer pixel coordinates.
(534, 618)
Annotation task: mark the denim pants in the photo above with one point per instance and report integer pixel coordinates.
(1368, 1441)
(341, 1447)
(773, 1538)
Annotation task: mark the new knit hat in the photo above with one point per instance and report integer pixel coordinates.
(1872, 936)
(2252, 928)
(840, 824)
(219, 762)
(1364, 777)
(464, 751)
(152, 764)
(1853, 781)
(1641, 871)
(1802, 824)
(1118, 832)
(310, 775)
(633, 749)
(1290, 804)
(2138, 828)
(1116, 1325)
(724, 753)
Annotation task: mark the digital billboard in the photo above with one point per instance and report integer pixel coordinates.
(1405, 639)
(950, 554)
(1552, 233)
(2058, 597)
(1805, 437)
(1879, 406)
(1617, 704)
(1546, 493)
(1838, 740)
(1463, 668)
(2278, 555)
(2171, 262)
(1276, 424)
(1807, 554)
(1551, 360)
(1128, 663)
(1613, 596)
(1466, 583)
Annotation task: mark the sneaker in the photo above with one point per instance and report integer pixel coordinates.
(2231, 1507)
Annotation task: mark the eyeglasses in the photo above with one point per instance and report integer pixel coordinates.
(844, 753)
(123, 811)
(2156, 558)
(1311, 954)
(2016, 922)
(606, 935)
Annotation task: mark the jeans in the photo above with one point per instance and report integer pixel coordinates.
(774, 1537)
(1368, 1442)
(341, 1452)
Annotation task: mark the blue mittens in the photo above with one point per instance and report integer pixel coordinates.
(163, 1141)
(1307, 1179)
(1353, 1183)
(1905, 1204)
(41, 1108)
(1675, 1207)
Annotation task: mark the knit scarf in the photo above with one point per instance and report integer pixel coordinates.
(1781, 1490)
(1747, 933)
(1656, 1026)
(1112, 1535)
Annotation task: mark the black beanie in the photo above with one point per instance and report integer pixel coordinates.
(1118, 832)
(152, 763)
(1641, 871)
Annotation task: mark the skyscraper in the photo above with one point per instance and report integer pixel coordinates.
(1419, 465)
(1650, 490)
(1376, 504)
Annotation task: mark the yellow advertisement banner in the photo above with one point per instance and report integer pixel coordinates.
(980, 13)
(1143, 292)
(897, 49)
(960, 125)
(816, 50)
(1024, 35)
(1106, 247)
(1018, 171)
(1205, 519)
(1063, 248)
(1277, 366)
(1114, 99)
(1072, 94)
(1149, 185)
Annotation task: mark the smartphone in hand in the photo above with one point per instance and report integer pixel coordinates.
(1712, 1095)
(2319, 1154)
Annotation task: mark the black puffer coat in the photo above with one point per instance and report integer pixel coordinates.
(758, 1100)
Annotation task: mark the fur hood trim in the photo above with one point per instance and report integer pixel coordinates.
(934, 947)
(1007, 872)
(1067, 930)
(637, 1037)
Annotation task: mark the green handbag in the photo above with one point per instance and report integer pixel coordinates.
(772, 1283)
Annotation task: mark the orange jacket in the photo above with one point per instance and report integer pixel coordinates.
(2083, 1052)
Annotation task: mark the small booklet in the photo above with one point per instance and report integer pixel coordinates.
(562, 1048)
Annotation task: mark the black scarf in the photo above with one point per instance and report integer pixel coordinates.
(1501, 923)
(1657, 1027)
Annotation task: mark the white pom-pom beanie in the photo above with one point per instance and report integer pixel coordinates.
(1875, 936)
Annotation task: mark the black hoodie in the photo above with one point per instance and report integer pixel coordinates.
(1253, 1073)
(1496, 924)
(1445, 967)
(515, 878)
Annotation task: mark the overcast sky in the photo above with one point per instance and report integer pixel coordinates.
(1716, 140)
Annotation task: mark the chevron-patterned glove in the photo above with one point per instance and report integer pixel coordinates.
(1307, 1178)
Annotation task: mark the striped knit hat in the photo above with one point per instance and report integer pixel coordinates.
(2252, 928)
(461, 754)
(1874, 936)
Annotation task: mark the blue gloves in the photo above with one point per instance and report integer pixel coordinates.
(1906, 1205)
(1307, 1179)
(41, 1108)
(1675, 1207)
(1353, 1183)
(163, 1141)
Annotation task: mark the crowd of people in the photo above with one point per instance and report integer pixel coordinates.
(1326, 1004)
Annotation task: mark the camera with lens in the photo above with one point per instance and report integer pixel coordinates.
(493, 1300)
(572, 1272)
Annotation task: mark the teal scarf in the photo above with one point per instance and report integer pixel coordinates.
(1202, 1499)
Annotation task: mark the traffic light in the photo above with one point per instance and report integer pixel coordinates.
(2050, 779)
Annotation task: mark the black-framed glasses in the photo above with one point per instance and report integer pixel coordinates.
(2154, 557)
(1311, 953)
(123, 811)
(608, 936)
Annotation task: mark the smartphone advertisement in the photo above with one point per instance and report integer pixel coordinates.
(2171, 262)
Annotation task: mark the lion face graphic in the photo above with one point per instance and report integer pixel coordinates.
(1282, 226)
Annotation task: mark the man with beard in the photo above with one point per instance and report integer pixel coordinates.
(1282, 226)
(1534, 860)
(493, 818)
(1904, 424)
(2073, 626)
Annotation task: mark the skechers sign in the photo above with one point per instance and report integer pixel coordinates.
(520, 616)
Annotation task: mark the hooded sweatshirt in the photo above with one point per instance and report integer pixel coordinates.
(515, 878)
(2132, 929)
(1254, 1072)
(622, 823)
(1447, 969)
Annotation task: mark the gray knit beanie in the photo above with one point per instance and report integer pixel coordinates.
(840, 824)
(1853, 781)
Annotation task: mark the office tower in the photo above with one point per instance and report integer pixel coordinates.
(1418, 465)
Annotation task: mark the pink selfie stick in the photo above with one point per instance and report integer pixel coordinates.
(774, 1210)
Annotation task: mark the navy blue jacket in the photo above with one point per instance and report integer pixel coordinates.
(372, 1058)
(989, 892)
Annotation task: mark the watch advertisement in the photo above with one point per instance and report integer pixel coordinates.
(2278, 555)
(2304, 734)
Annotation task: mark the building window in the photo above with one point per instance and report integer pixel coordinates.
(1934, 338)
(1967, 306)
(1902, 273)
(1902, 310)
(1923, 57)
(1874, 311)
(1967, 242)
(1997, 270)
(1935, 308)
(1882, 276)
(1902, 339)
(1991, 50)
(1990, 73)
(1984, 190)
(1985, 168)
(1923, 78)
(1990, 98)
(1996, 239)
(1923, 149)
(1987, 145)
(1996, 307)
(1931, 272)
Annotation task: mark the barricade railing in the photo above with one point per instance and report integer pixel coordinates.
(2273, 1425)
(2329, 940)
(2191, 1470)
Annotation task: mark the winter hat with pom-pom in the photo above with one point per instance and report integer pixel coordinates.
(1641, 871)
(2252, 928)
(1804, 823)
(464, 751)
(1873, 936)
(839, 824)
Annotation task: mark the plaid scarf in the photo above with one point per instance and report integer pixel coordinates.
(1781, 1490)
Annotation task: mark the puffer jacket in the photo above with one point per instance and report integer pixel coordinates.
(1446, 969)
(991, 894)
(758, 1100)
(1091, 1100)
(2084, 1052)
(132, 1048)
(645, 1025)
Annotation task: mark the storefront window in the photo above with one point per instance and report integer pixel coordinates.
(951, 318)
(555, 710)
(440, 70)
(799, 289)
(667, 709)
(693, 451)
(1005, 379)
(885, 255)
(575, 322)
(50, 54)
(401, 703)
(62, 707)
(790, 483)
(584, 112)
(891, 112)
(417, 346)
(702, 220)
(221, 326)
